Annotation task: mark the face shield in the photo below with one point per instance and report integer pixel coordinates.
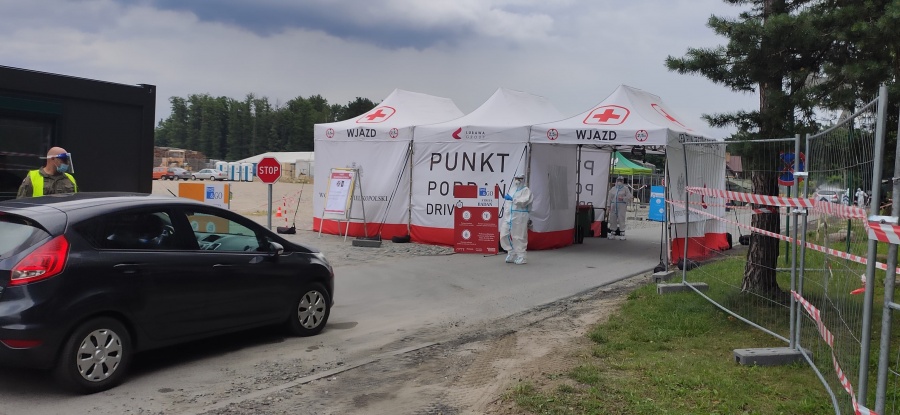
(518, 181)
(66, 165)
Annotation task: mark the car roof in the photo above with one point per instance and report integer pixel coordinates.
(53, 211)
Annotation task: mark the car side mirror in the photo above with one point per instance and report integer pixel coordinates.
(275, 248)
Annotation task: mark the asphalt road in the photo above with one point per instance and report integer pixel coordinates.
(383, 307)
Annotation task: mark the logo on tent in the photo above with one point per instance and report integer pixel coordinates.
(329, 133)
(379, 114)
(607, 115)
(552, 134)
(667, 116)
(641, 135)
(459, 134)
(394, 133)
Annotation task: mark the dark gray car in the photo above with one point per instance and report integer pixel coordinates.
(88, 280)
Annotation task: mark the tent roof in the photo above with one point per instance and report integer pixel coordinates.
(628, 116)
(282, 156)
(499, 119)
(628, 167)
(401, 109)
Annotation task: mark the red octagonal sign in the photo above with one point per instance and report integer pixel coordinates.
(268, 170)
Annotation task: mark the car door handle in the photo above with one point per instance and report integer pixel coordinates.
(127, 268)
(222, 265)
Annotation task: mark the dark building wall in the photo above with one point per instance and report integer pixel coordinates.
(107, 127)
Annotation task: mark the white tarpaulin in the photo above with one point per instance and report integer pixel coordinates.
(377, 143)
(631, 117)
(486, 147)
(628, 117)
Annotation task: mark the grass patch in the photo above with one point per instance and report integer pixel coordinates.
(673, 354)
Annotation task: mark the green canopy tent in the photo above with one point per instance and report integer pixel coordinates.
(624, 167)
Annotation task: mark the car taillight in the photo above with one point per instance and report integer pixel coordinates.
(46, 261)
(21, 344)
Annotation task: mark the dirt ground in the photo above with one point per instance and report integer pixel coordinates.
(460, 370)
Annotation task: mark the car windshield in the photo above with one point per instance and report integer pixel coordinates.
(827, 192)
(18, 234)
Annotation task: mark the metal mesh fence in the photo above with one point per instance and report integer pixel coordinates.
(752, 287)
(840, 166)
(792, 237)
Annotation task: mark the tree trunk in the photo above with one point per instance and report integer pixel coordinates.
(759, 272)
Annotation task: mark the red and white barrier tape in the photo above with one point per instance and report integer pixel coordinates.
(883, 232)
(833, 252)
(829, 339)
(752, 198)
(878, 231)
(833, 209)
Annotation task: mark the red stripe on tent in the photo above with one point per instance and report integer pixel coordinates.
(550, 240)
(432, 236)
(389, 230)
(536, 240)
(699, 247)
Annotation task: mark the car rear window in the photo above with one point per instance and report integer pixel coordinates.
(19, 234)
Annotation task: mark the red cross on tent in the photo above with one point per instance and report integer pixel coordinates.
(379, 114)
(607, 115)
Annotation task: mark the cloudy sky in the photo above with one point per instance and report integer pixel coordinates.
(574, 52)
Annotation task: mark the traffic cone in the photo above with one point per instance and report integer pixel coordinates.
(278, 212)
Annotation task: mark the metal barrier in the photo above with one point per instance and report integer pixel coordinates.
(804, 246)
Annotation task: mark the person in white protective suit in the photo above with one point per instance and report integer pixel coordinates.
(861, 197)
(514, 222)
(617, 201)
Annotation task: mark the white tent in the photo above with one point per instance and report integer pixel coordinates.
(485, 148)
(378, 144)
(631, 117)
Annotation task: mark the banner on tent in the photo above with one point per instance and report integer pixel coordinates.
(438, 167)
(381, 166)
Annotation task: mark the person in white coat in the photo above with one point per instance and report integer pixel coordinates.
(617, 201)
(514, 222)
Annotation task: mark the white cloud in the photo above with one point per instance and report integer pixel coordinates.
(574, 53)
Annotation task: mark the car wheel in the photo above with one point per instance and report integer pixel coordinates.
(309, 313)
(95, 357)
(193, 177)
(212, 179)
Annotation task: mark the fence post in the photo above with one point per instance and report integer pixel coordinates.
(793, 323)
(887, 310)
(872, 254)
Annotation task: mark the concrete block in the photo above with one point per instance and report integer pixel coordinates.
(679, 287)
(768, 356)
(367, 243)
(663, 276)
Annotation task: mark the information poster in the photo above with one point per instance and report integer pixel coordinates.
(340, 193)
(476, 227)
(657, 210)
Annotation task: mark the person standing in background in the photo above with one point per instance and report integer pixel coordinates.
(53, 178)
(617, 201)
(514, 223)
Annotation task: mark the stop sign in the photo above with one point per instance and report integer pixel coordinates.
(268, 170)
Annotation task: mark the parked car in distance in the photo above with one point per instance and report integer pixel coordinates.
(89, 279)
(175, 173)
(209, 174)
(159, 172)
(829, 195)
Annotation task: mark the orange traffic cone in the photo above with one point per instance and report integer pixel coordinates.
(278, 212)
